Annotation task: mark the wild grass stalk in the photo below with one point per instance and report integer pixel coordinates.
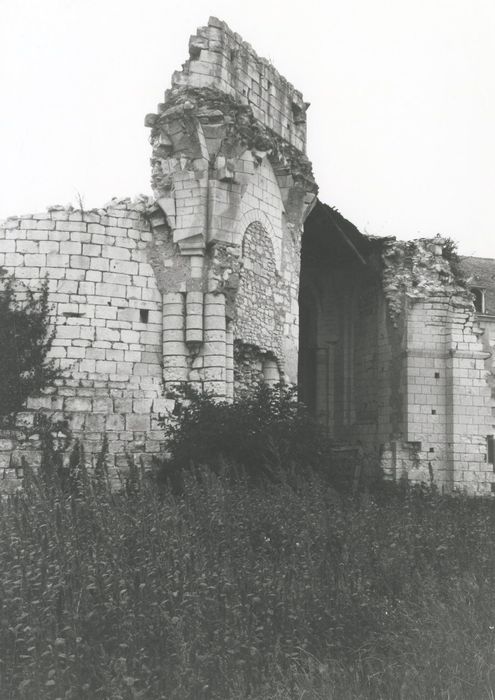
(235, 591)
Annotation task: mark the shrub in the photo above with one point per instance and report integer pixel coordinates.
(262, 435)
(25, 341)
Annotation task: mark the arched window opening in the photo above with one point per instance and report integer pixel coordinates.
(479, 299)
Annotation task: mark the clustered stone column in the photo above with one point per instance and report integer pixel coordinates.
(227, 114)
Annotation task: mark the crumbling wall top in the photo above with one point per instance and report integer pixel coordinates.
(220, 59)
(421, 269)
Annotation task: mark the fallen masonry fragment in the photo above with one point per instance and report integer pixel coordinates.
(234, 273)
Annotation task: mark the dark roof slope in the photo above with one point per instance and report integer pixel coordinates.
(481, 273)
(327, 231)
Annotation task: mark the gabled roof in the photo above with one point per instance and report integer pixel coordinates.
(326, 230)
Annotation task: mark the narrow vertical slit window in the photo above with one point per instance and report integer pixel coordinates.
(490, 445)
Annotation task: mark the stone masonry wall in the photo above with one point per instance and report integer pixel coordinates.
(219, 58)
(152, 294)
(258, 321)
(228, 148)
(447, 402)
(106, 309)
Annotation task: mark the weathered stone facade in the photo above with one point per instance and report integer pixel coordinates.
(204, 283)
(392, 355)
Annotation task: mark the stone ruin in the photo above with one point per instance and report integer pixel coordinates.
(234, 273)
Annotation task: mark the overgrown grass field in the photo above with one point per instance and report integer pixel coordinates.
(231, 591)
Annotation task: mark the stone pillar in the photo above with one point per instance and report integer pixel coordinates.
(214, 349)
(331, 352)
(229, 360)
(321, 399)
(175, 352)
(194, 317)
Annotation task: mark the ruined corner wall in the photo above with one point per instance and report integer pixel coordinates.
(232, 187)
(106, 310)
(441, 380)
(198, 285)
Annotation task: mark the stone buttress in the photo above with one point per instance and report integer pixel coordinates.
(232, 186)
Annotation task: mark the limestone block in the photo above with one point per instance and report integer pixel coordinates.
(123, 405)
(76, 353)
(106, 366)
(80, 261)
(173, 348)
(136, 422)
(142, 405)
(216, 374)
(78, 403)
(213, 337)
(68, 225)
(116, 252)
(108, 334)
(129, 336)
(71, 248)
(126, 267)
(173, 322)
(44, 224)
(194, 335)
(132, 356)
(214, 347)
(174, 373)
(95, 423)
(114, 422)
(96, 228)
(214, 323)
(151, 294)
(102, 405)
(9, 246)
(35, 403)
(162, 405)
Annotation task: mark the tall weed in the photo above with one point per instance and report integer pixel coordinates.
(234, 591)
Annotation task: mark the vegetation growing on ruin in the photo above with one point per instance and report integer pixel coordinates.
(263, 435)
(25, 341)
(234, 591)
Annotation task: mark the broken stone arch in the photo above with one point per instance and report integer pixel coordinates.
(258, 327)
(257, 216)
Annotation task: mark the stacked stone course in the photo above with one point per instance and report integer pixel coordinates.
(101, 286)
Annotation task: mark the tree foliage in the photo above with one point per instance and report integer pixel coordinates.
(25, 341)
(262, 434)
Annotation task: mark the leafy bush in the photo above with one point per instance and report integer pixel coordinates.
(25, 341)
(245, 593)
(261, 435)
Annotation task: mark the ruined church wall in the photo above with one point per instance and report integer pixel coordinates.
(106, 310)
(446, 404)
(220, 59)
(233, 184)
(266, 306)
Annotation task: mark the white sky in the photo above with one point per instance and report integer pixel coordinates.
(402, 92)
